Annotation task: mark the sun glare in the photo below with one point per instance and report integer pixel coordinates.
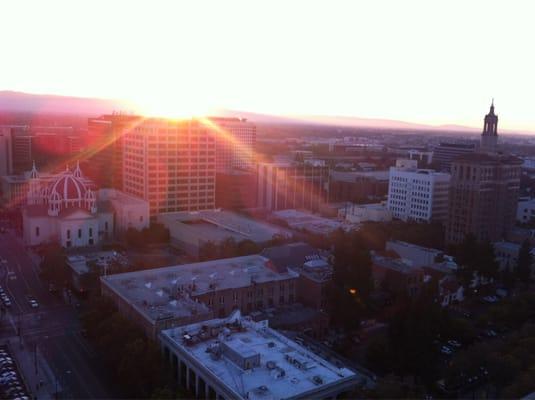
(171, 106)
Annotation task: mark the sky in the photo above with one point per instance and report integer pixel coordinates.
(433, 62)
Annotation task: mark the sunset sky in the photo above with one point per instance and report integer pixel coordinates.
(437, 62)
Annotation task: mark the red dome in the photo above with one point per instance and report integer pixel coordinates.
(68, 187)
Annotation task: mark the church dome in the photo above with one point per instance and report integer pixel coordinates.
(71, 189)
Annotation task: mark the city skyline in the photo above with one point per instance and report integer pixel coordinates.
(416, 61)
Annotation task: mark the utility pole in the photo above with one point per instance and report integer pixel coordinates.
(35, 358)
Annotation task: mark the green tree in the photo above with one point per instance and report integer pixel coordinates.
(208, 251)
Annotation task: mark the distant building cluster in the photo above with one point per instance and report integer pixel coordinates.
(204, 182)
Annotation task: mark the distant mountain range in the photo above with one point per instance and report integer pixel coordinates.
(18, 102)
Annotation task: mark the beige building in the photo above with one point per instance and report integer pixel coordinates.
(177, 295)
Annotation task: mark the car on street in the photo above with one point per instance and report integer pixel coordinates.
(454, 343)
(446, 350)
(34, 304)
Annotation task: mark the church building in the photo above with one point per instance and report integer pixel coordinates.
(68, 210)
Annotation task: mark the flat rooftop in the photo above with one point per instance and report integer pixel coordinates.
(394, 264)
(122, 197)
(298, 219)
(80, 263)
(412, 246)
(217, 225)
(167, 292)
(353, 176)
(285, 369)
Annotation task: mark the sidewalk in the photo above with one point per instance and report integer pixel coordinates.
(36, 372)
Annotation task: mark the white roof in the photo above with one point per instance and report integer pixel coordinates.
(286, 369)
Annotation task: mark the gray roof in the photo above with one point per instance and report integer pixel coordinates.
(289, 255)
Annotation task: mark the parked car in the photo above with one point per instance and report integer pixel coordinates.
(446, 350)
(454, 343)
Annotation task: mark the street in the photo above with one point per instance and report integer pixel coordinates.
(52, 328)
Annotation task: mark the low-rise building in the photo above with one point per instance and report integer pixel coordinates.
(86, 268)
(358, 185)
(161, 298)
(417, 256)
(525, 210)
(315, 272)
(296, 318)
(301, 220)
(189, 231)
(397, 277)
(237, 358)
(129, 211)
(358, 213)
(507, 255)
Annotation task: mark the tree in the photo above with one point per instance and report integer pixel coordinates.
(486, 264)
(53, 266)
(525, 260)
(474, 257)
(208, 251)
(352, 280)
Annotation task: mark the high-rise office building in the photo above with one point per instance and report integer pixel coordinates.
(235, 142)
(44, 145)
(445, 153)
(483, 196)
(417, 194)
(6, 155)
(170, 163)
(284, 185)
(104, 147)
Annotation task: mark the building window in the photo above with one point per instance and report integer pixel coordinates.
(141, 218)
(36, 231)
(106, 225)
(90, 232)
(68, 233)
(79, 233)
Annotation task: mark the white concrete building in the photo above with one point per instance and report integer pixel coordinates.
(237, 358)
(130, 211)
(63, 210)
(170, 163)
(417, 194)
(525, 210)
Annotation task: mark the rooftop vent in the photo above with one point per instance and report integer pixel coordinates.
(318, 380)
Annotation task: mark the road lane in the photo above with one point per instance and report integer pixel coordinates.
(53, 326)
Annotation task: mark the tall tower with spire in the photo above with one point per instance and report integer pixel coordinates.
(489, 137)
